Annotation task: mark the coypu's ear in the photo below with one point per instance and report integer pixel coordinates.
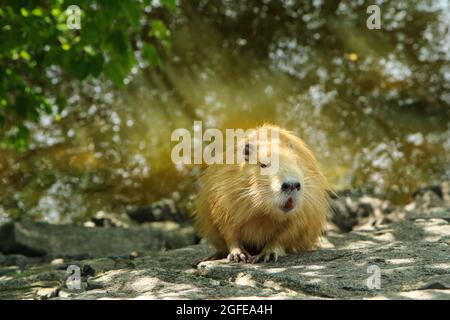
(248, 149)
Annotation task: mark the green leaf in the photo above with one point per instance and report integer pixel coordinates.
(24, 12)
(34, 36)
(19, 138)
(23, 104)
(118, 42)
(159, 30)
(149, 52)
(95, 64)
(170, 4)
(61, 102)
(45, 105)
(75, 63)
(115, 73)
(25, 55)
(132, 11)
(93, 32)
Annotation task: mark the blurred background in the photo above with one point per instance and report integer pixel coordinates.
(86, 115)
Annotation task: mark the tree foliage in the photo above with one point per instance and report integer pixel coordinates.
(37, 46)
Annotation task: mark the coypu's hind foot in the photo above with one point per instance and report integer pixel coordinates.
(267, 255)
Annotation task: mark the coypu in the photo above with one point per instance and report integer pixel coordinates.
(251, 217)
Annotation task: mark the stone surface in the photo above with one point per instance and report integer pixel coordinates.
(107, 219)
(350, 212)
(412, 256)
(163, 210)
(59, 241)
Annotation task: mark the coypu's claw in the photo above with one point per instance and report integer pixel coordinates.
(238, 256)
(265, 257)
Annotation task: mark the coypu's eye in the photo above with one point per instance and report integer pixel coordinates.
(263, 165)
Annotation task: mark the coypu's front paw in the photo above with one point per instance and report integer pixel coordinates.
(238, 255)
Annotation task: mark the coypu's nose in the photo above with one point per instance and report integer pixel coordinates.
(290, 186)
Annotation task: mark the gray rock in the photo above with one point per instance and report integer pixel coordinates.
(163, 210)
(107, 219)
(411, 256)
(15, 259)
(406, 259)
(434, 196)
(350, 212)
(60, 241)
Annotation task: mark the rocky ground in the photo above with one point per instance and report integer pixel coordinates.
(373, 250)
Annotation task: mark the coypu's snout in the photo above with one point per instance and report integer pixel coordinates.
(289, 191)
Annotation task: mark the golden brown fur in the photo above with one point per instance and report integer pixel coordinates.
(238, 208)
